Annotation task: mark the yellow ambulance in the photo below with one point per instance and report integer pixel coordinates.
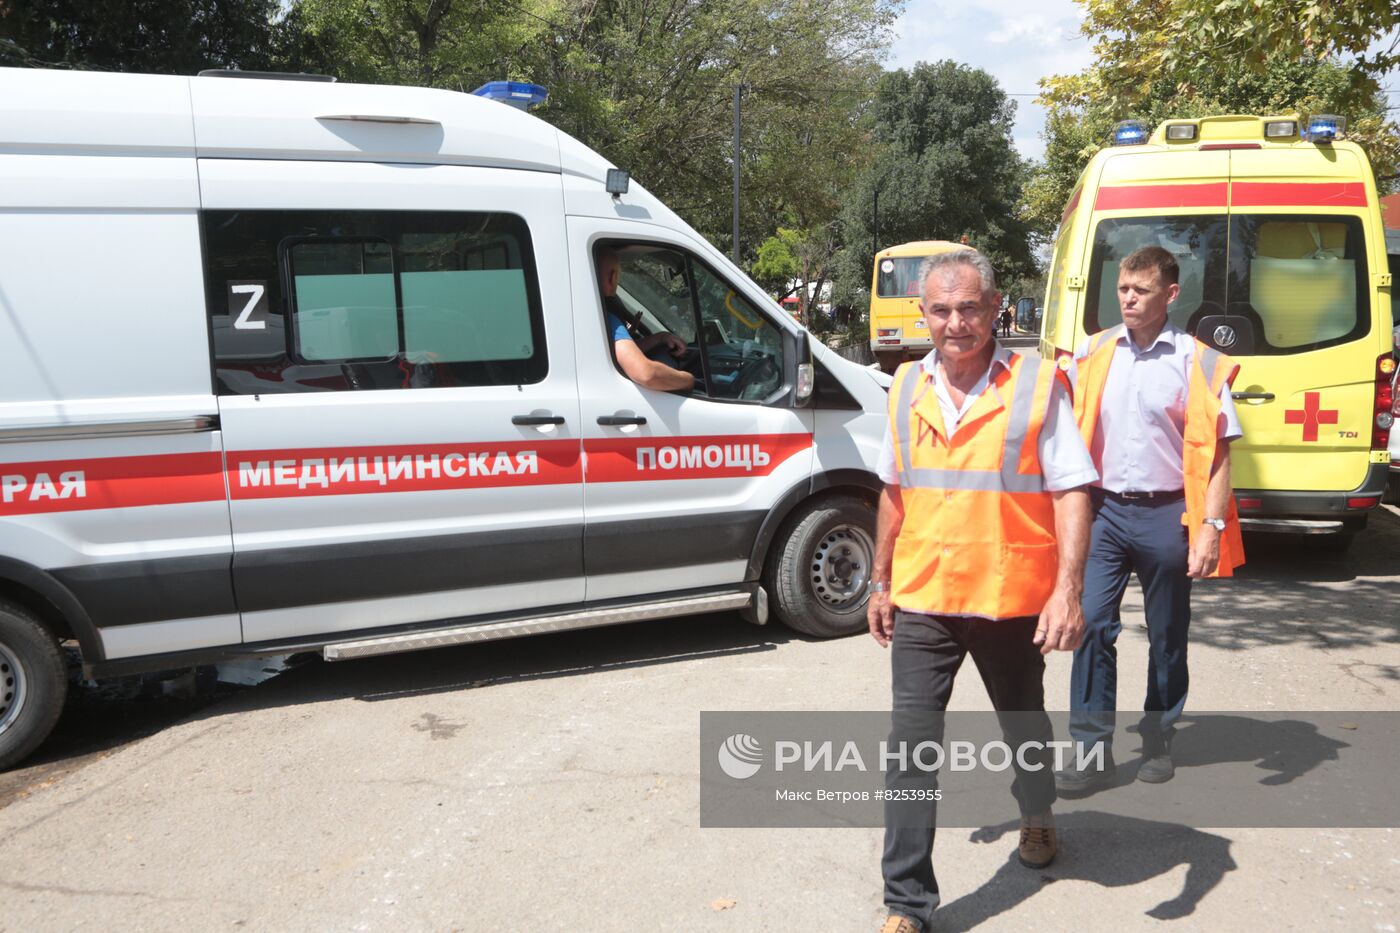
(1276, 225)
(897, 329)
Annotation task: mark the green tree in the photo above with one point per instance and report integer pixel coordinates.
(650, 85)
(1156, 60)
(945, 167)
(454, 44)
(159, 36)
(1137, 43)
(798, 262)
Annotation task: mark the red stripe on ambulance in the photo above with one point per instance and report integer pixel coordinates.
(346, 471)
(1143, 197)
(718, 457)
(172, 479)
(1073, 203)
(110, 483)
(1300, 194)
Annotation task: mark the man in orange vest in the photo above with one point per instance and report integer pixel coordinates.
(1154, 406)
(980, 550)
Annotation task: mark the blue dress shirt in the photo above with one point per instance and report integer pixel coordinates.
(1144, 411)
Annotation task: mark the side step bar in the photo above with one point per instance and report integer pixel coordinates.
(536, 625)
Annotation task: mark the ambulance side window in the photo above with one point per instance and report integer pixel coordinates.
(315, 301)
(735, 351)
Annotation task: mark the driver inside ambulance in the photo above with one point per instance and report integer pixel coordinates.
(633, 352)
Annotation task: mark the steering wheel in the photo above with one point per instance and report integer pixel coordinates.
(752, 375)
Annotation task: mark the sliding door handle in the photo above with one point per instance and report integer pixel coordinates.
(536, 420)
(616, 421)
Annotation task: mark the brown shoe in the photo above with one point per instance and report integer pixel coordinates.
(898, 923)
(1038, 845)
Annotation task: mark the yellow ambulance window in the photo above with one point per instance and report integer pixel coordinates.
(1301, 277)
(1198, 244)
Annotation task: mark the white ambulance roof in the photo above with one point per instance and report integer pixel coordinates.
(108, 113)
(46, 112)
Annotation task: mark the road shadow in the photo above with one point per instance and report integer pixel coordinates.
(1103, 849)
(98, 719)
(1291, 592)
(1287, 749)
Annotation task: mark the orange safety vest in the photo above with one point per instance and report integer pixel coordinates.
(1211, 370)
(978, 533)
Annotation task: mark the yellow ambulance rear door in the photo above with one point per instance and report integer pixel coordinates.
(1299, 317)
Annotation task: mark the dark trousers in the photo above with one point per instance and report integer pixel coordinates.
(1146, 537)
(925, 656)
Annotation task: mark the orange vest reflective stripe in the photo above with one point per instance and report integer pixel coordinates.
(1211, 370)
(978, 532)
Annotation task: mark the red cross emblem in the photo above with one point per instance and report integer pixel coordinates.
(1310, 415)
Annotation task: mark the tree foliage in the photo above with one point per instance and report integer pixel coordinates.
(1158, 59)
(798, 262)
(158, 36)
(945, 167)
(1139, 43)
(650, 85)
(454, 44)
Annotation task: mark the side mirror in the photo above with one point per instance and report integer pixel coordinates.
(800, 373)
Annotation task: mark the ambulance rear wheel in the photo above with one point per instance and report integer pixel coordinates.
(819, 573)
(33, 684)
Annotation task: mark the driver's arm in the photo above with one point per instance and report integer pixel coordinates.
(650, 374)
(673, 343)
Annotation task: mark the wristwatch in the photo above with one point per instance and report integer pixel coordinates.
(880, 586)
(1217, 523)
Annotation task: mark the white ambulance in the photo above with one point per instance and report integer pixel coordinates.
(294, 365)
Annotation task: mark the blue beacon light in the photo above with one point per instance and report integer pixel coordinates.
(1130, 133)
(1324, 127)
(518, 94)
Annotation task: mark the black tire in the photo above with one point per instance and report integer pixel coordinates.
(33, 684)
(1392, 489)
(818, 572)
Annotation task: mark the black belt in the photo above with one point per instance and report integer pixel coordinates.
(1170, 495)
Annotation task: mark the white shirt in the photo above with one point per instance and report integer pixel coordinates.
(1064, 460)
(1144, 411)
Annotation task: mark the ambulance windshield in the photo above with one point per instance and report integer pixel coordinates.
(1284, 283)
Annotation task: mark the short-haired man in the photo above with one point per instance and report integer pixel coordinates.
(632, 353)
(1154, 406)
(980, 546)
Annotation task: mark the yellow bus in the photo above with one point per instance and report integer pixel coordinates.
(897, 331)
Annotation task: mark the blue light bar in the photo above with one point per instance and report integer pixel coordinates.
(1324, 127)
(518, 94)
(1130, 133)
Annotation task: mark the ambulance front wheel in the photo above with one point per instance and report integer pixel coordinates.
(819, 571)
(33, 684)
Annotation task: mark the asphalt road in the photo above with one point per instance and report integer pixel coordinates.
(552, 784)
